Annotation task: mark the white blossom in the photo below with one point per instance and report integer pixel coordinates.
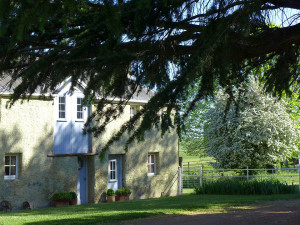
(257, 132)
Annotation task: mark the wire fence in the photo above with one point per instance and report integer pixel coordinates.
(195, 177)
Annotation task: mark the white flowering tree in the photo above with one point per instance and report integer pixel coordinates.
(247, 127)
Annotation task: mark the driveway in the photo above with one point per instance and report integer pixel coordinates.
(269, 213)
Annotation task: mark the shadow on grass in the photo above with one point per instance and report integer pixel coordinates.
(97, 219)
(122, 211)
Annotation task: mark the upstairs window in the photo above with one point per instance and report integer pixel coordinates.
(151, 164)
(133, 110)
(11, 167)
(62, 108)
(79, 109)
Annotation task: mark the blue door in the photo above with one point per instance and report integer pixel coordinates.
(115, 178)
(82, 183)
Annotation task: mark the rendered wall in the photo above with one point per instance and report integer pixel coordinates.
(27, 129)
(135, 163)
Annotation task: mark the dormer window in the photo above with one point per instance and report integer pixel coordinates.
(79, 109)
(133, 110)
(62, 108)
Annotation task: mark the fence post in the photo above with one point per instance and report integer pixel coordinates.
(179, 181)
(201, 176)
(188, 168)
(247, 174)
(299, 176)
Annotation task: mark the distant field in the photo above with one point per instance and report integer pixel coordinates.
(196, 161)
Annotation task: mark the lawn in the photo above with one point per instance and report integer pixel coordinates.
(196, 161)
(107, 213)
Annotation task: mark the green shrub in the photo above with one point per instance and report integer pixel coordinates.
(123, 191)
(62, 196)
(127, 191)
(231, 186)
(110, 192)
(73, 194)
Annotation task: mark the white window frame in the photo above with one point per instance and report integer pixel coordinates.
(133, 110)
(58, 108)
(111, 170)
(11, 177)
(151, 163)
(82, 110)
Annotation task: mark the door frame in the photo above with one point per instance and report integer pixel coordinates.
(82, 171)
(119, 171)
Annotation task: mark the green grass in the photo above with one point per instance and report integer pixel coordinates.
(108, 213)
(196, 161)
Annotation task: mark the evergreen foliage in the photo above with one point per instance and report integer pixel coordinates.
(252, 130)
(214, 42)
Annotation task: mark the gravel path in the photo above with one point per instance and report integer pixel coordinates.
(270, 213)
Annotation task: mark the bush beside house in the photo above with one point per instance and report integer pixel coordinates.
(123, 194)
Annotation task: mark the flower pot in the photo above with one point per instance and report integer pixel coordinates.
(60, 203)
(122, 198)
(110, 198)
(73, 201)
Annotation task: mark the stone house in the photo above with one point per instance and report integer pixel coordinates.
(42, 150)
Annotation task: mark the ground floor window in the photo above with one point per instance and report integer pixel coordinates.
(11, 167)
(112, 169)
(152, 163)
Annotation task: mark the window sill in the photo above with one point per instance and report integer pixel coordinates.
(61, 120)
(10, 178)
(80, 121)
(151, 174)
(112, 181)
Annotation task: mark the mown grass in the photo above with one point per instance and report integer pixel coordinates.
(196, 161)
(110, 213)
(234, 186)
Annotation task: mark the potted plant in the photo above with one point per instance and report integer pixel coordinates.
(74, 198)
(61, 198)
(122, 194)
(110, 195)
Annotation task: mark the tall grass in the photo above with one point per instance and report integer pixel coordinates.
(231, 186)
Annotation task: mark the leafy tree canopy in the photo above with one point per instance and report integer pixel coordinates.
(214, 42)
(254, 131)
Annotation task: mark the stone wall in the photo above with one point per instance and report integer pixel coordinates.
(135, 163)
(27, 130)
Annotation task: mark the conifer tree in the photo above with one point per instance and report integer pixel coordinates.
(117, 47)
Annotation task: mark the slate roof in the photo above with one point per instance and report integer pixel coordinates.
(144, 95)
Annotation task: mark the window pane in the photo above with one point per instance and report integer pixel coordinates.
(152, 168)
(6, 171)
(132, 111)
(13, 160)
(151, 159)
(7, 160)
(79, 115)
(112, 175)
(62, 99)
(79, 101)
(62, 114)
(61, 107)
(13, 170)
